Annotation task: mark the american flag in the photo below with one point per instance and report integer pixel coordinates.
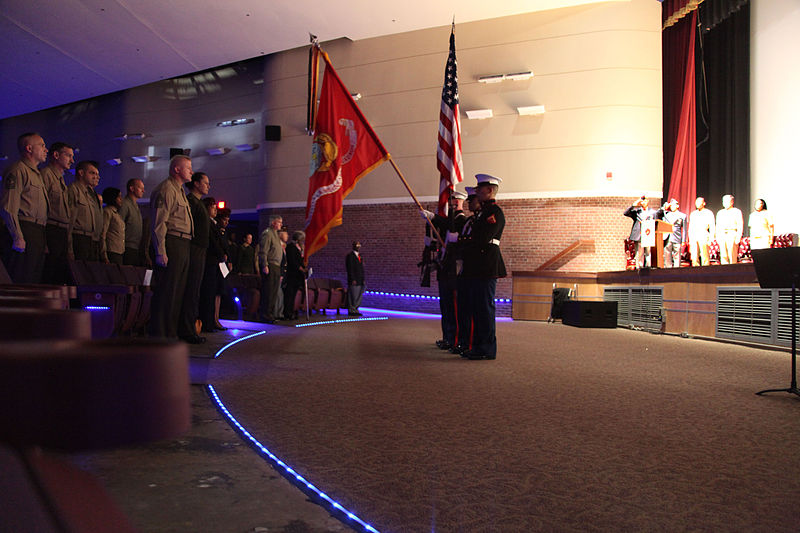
(448, 155)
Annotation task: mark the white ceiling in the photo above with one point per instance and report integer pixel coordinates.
(68, 50)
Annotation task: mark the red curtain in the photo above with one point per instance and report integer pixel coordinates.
(680, 139)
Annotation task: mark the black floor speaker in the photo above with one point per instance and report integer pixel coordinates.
(590, 314)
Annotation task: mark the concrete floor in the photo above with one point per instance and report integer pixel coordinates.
(209, 480)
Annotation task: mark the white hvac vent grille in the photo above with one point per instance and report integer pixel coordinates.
(784, 332)
(637, 306)
(753, 314)
(745, 313)
(623, 299)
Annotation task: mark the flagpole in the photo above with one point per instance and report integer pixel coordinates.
(413, 196)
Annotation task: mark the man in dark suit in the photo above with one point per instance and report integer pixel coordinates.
(354, 264)
(483, 265)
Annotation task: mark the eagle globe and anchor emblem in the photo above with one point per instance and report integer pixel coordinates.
(324, 153)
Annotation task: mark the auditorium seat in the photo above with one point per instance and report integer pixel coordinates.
(68, 292)
(337, 298)
(109, 301)
(630, 254)
(36, 291)
(247, 287)
(322, 294)
(29, 302)
(785, 240)
(713, 253)
(686, 255)
(745, 255)
(78, 396)
(144, 316)
(85, 395)
(32, 323)
(132, 278)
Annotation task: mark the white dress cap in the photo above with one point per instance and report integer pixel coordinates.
(486, 178)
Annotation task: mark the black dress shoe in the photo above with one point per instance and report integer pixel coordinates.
(194, 339)
(474, 356)
(439, 343)
(457, 349)
(445, 346)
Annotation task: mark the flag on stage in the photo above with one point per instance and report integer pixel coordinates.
(345, 149)
(448, 155)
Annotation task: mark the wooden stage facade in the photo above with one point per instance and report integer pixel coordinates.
(722, 301)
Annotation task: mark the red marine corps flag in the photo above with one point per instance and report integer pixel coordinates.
(345, 149)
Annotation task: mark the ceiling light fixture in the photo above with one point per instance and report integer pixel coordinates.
(479, 114)
(519, 76)
(531, 110)
(495, 78)
(130, 136)
(236, 122)
(247, 147)
(217, 151)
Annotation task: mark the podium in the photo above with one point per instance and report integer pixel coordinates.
(653, 232)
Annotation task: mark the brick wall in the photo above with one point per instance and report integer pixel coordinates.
(536, 230)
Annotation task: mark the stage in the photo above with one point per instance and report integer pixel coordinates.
(722, 301)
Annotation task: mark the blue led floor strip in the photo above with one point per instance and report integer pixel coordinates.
(288, 471)
(421, 296)
(325, 322)
(306, 486)
(237, 341)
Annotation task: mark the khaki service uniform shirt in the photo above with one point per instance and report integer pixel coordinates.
(86, 216)
(113, 233)
(23, 197)
(171, 214)
(56, 191)
(132, 217)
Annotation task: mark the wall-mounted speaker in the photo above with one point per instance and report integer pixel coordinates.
(272, 133)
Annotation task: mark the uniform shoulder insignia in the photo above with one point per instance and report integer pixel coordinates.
(10, 182)
(492, 220)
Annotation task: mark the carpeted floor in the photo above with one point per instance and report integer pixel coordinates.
(568, 430)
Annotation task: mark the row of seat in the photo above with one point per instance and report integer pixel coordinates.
(323, 294)
(62, 391)
(118, 296)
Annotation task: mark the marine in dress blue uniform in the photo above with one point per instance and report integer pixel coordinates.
(464, 304)
(449, 229)
(483, 265)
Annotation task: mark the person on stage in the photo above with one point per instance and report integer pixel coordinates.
(762, 229)
(673, 241)
(730, 224)
(639, 212)
(701, 229)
